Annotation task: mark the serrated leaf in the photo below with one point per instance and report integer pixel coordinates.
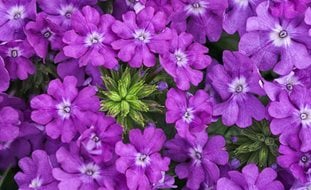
(124, 108)
(138, 105)
(146, 91)
(137, 117)
(114, 96)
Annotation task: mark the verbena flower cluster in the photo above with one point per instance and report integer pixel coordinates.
(155, 94)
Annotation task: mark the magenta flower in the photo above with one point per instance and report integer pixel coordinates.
(201, 18)
(250, 179)
(60, 11)
(190, 113)
(14, 15)
(99, 140)
(65, 110)
(291, 115)
(184, 60)
(296, 161)
(90, 38)
(77, 172)
(5, 77)
(36, 172)
(16, 55)
(278, 44)
(141, 161)
(141, 36)
(42, 33)
(237, 83)
(198, 159)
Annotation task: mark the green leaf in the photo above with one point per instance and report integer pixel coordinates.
(125, 108)
(138, 105)
(135, 88)
(137, 117)
(122, 89)
(114, 96)
(126, 79)
(147, 90)
(109, 83)
(263, 156)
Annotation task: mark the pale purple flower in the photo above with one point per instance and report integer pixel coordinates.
(190, 113)
(288, 8)
(291, 115)
(99, 140)
(141, 36)
(237, 83)
(65, 110)
(90, 38)
(296, 161)
(60, 11)
(184, 60)
(14, 14)
(140, 160)
(201, 18)
(276, 43)
(198, 160)
(17, 57)
(36, 172)
(250, 179)
(237, 13)
(43, 33)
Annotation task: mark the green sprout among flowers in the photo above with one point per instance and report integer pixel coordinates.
(127, 96)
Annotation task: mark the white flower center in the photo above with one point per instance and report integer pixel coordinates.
(35, 183)
(47, 33)
(64, 109)
(94, 38)
(142, 35)
(196, 8)
(14, 52)
(188, 115)
(280, 37)
(289, 81)
(196, 154)
(91, 170)
(305, 116)
(181, 58)
(67, 10)
(242, 3)
(238, 86)
(142, 160)
(16, 12)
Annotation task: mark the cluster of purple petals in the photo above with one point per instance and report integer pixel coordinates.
(60, 140)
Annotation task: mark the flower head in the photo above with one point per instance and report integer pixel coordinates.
(65, 110)
(140, 160)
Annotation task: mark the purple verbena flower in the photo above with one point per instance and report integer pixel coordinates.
(296, 161)
(99, 140)
(198, 159)
(250, 179)
(77, 172)
(276, 43)
(90, 38)
(65, 110)
(288, 8)
(291, 115)
(60, 11)
(140, 160)
(141, 36)
(42, 33)
(5, 77)
(14, 14)
(9, 126)
(16, 55)
(201, 18)
(191, 114)
(36, 172)
(184, 60)
(237, 13)
(237, 83)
